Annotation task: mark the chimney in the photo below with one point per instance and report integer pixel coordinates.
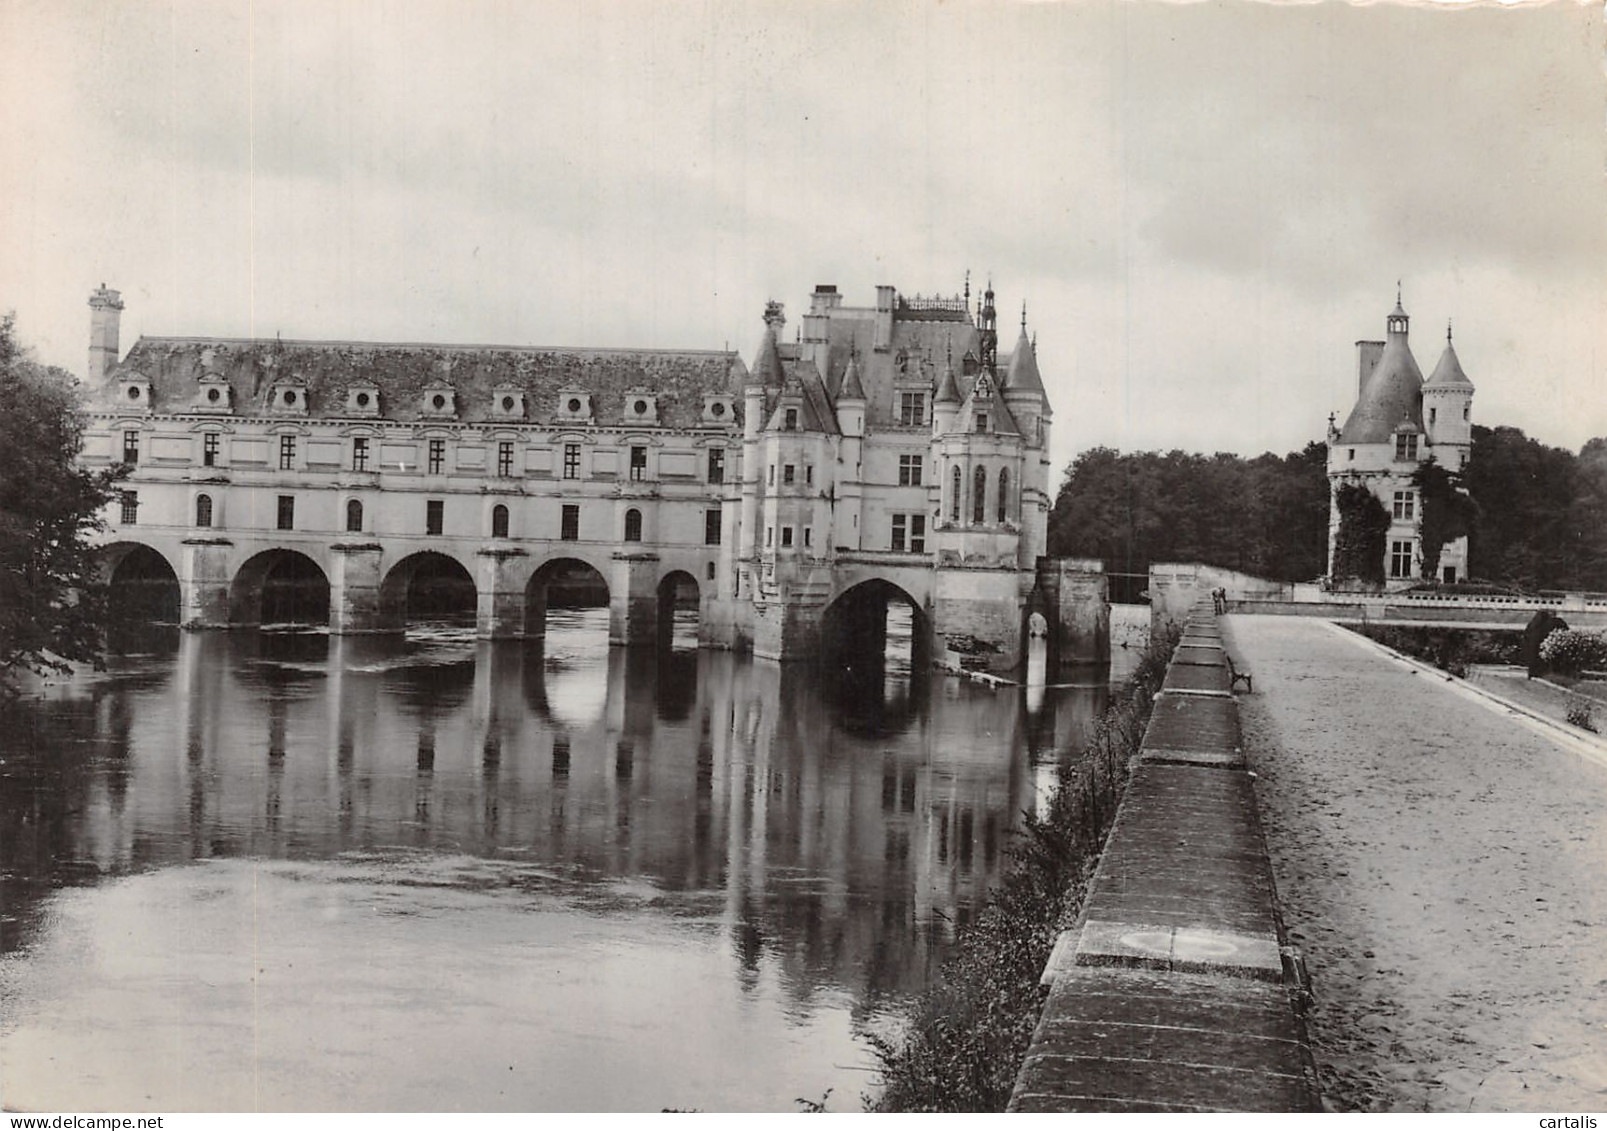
(1367, 355)
(105, 316)
(884, 317)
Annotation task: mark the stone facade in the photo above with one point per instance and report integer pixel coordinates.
(1398, 424)
(887, 446)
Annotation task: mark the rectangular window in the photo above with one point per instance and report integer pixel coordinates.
(769, 536)
(912, 409)
(981, 422)
(716, 465)
(131, 446)
(360, 453)
(209, 450)
(772, 477)
(1405, 504)
(1406, 445)
(505, 458)
(791, 420)
(571, 461)
(638, 463)
(789, 473)
(128, 503)
(917, 534)
(1400, 559)
(909, 470)
(1432, 413)
(287, 512)
(287, 453)
(569, 528)
(786, 535)
(711, 527)
(808, 530)
(437, 456)
(900, 533)
(809, 473)
(434, 516)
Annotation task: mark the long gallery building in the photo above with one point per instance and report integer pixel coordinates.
(888, 453)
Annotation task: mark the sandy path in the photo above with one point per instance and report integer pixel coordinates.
(1444, 871)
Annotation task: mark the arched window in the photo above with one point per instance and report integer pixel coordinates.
(633, 525)
(499, 521)
(979, 496)
(1004, 494)
(354, 516)
(203, 510)
(955, 495)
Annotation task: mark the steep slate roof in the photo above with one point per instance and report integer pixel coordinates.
(804, 383)
(1022, 376)
(1393, 393)
(948, 392)
(1001, 419)
(919, 334)
(1448, 373)
(402, 371)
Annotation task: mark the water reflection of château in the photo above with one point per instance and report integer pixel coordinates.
(843, 834)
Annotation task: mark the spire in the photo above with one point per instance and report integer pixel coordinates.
(1023, 316)
(852, 389)
(767, 367)
(948, 390)
(1448, 373)
(1447, 329)
(1398, 322)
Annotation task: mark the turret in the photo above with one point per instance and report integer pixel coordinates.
(1024, 391)
(105, 319)
(1448, 407)
(946, 404)
(851, 401)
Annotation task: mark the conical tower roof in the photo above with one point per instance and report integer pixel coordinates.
(852, 388)
(738, 376)
(1448, 373)
(948, 390)
(767, 368)
(1393, 393)
(1023, 376)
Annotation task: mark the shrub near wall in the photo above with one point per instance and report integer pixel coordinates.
(970, 1032)
(1571, 652)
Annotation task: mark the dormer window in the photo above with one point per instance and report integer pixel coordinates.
(911, 409)
(136, 393)
(214, 395)
(288, 399)
(440, 402)
(981, 422)
(1405, 445)
(362, 400)
(508, 403)
(574, 405)
(719, 410)
(641, 407)
(790, 422)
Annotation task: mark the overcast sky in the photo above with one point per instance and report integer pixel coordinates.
(1203, 206)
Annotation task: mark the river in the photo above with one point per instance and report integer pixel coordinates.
(301, 872)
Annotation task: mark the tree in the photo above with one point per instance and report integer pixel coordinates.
(1446, 512)
(1363, 529)
(52, 604)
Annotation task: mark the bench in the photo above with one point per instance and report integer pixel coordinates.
(1235, 676)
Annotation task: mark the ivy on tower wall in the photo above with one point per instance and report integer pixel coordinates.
(1363, 528)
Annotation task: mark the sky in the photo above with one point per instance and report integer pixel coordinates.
(1202, 206)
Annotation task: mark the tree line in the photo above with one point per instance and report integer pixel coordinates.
(1536, 516)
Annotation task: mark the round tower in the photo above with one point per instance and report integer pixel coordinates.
(1448, 409)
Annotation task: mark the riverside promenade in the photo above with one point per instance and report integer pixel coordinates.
(1441, 863)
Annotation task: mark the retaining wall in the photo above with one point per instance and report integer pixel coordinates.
(1175, 991)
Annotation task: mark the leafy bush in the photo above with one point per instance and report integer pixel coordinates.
(1582, 715)
(970, 1032)
(1571, 652)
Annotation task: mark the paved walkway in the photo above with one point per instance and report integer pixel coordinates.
(1443, 868)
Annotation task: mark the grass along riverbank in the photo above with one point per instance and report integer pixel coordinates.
(969, 1033)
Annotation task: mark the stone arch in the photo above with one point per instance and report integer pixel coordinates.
(679, 591)
(428, 585)
(279, 586)
(143, 581)
(854, 629)
(563, 581)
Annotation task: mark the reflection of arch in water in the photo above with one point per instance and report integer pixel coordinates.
(144, 585)
(680, 610)
(854, 637)
(570, 692)
(562, 583)
(279, 587)
(427, 586)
